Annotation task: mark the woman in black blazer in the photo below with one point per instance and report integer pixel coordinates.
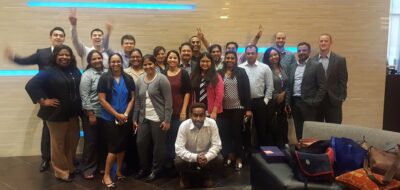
(277, 110)
(57, 92)
(237, 105)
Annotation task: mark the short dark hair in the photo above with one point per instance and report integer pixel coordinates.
(128, 37)
(57, 28)
(197, 105)
(157, 49)
(304, 44)
(214, 46)
(96, 30)
(229, 43)
(186, 44)
(251, 46)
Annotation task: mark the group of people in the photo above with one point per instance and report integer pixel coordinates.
(180, 109)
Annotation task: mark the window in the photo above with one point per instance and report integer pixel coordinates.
(393, 49)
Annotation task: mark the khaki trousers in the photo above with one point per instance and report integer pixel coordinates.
(64, 137)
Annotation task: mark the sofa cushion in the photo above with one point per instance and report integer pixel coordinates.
(374, 137)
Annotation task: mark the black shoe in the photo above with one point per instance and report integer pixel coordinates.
(45, 165)
(141, 174)
(151, 177)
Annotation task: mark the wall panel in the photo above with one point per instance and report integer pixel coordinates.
(358, 27)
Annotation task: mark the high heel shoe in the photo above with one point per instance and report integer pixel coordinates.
(109, 185)
(228, 162)
(238, 166)
(121, 178)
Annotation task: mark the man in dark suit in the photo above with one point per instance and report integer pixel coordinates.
(306, 88)
(335, 69)
(42, 59)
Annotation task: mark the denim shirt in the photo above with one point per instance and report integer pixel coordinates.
(88, 90)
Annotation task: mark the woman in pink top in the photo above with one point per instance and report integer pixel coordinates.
(207, 85)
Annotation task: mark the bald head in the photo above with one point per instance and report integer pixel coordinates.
(280, 39)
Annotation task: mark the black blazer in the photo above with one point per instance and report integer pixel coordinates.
(312, 85)
(62, 84)
(40, 58)
(243, 86)
(336, 78)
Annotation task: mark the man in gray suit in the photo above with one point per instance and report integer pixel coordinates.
(306, 88)
(335, 68)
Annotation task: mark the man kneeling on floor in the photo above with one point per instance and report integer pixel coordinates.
(197, 148)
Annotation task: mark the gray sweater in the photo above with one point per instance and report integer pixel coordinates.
(160, 95)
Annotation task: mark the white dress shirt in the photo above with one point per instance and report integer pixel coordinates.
(298, 78)
(260, 78)
(191, 140)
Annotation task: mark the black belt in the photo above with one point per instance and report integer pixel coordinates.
(260, 98)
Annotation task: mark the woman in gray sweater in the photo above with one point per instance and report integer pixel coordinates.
(152, 115)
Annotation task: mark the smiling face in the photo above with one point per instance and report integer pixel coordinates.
(216, 53)
(280, 39)
(173, 60)
(136, 59)
(303, 53)
(251, 55)
(195, 41)
(97, 38)
(205, 63)
(325, 43)
(160, 56)
(230, 60)
(128, 45)
(57, 38)
(273, 57)
(63, 58)
(186, 53)
(96, 61)
(149, 66)
(115, 63)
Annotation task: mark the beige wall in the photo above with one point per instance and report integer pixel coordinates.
(359, 29)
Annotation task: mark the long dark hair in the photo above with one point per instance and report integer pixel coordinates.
(109, 75)
(223, 70)
(89, 59)
(267, 55)
(57, 49)
(210, 76)
(166, 57)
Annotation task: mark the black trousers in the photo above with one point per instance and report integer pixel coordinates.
(328, 112)
(230, 131)
(302, 112)
(149, 133)
(171, 138)
(211, 168)
(94, 148)
(131, 154)
(261, 121)
(45, 143)
(279, 124)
